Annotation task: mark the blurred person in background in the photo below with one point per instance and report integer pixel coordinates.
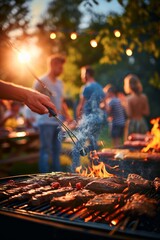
(31, 118)
(49, 128)
(116, 113)
(90, 116)
(11, 116)
(137, 105)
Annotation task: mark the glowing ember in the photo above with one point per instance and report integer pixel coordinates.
(154, 144)
(98, 170)
(114, 222)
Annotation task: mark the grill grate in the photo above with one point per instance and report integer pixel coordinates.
(108, 223)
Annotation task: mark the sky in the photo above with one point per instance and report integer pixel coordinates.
(104, 7)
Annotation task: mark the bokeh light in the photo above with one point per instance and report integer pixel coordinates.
(93, 43)
(24, 57)
(117, 33)
(73, 36)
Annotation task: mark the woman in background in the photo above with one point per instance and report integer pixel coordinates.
(137, 106)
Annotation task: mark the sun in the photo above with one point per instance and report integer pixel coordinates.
(24, 57)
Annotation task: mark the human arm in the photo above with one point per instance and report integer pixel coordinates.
(80, 107)
(65, 111)
(33, 99)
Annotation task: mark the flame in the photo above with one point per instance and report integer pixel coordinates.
(155, 133)
(94, 171)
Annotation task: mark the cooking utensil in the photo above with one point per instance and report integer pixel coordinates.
(82, 151)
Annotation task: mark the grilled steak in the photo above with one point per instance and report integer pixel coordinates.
(72, 180)
(105, 201)
(27, 195)
(137, 183)
(73, 199)
(105, 186)
(140, 205)
(156, 183)
(38, 199)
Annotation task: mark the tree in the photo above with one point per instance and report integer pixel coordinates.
(139, 28)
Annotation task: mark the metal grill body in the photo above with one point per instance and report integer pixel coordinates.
(54, 222)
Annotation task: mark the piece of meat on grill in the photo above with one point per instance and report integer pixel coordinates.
(17, 190)
(105, 201)
(73, 199)
(156, 183)
(137, 183)
(105, 186)
(139, 204)
(27, 195)
(38, 199)
(72, 180)
(115, 179)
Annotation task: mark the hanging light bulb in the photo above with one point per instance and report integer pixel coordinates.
(129, 52)
(93, 43)
(117, 33)
(53, 35)
(73, 36)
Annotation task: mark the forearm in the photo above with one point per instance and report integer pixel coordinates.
(11, 91)
(35, 100)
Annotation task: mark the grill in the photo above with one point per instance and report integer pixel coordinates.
(52, 222)
(147, 168)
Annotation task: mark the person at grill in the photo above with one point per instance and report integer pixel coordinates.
(90, 116)
(49, 129)
(36, 101)
(117, 114)
(137, 105)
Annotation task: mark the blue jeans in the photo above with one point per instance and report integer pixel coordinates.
(50, 148)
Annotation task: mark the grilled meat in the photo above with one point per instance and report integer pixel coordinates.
(73, 199)
(105, 186)
(72, 180)
(105, 201)
(27, 195)
(137, 183)
(139, 205)
(156, 183)
(38, 199)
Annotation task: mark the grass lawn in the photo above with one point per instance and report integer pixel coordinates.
(30, 165)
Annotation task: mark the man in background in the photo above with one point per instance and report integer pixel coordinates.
(91, 117)
(50, 144)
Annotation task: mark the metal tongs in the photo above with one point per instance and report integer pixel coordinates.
(83, 151)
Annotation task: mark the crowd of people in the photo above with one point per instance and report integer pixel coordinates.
(98, 106)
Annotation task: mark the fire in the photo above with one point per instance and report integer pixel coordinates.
(155, 133)
(94, 171)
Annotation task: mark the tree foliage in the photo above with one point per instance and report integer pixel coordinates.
(139, 27)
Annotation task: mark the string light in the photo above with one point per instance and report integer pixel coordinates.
(129, 52)
(53, 35)
(73, 36)
(117, 33)
(93, 43)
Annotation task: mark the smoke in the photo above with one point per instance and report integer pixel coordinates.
(87, 132)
